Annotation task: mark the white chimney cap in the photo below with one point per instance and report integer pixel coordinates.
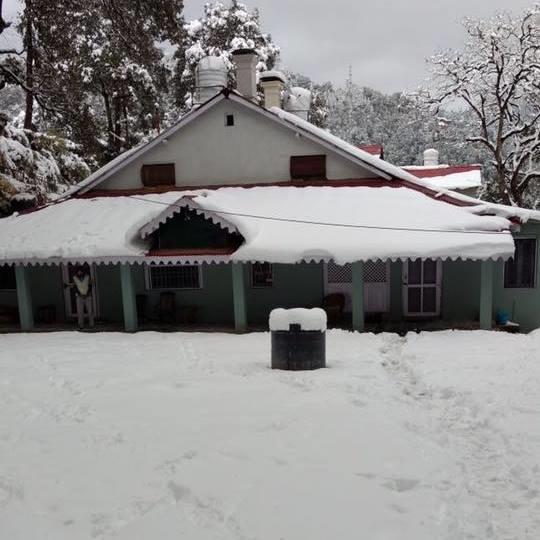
(273, 75)
(431, 157)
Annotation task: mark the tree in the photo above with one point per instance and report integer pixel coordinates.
(497, 77)
(218, 32)
(102, 63)
(320, 97)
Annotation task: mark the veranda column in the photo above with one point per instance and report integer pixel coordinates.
(239, 297)
(358, 296)
(486, 295)
(128, 298)
(24, 298)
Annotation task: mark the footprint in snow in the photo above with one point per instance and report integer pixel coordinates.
(401, 484)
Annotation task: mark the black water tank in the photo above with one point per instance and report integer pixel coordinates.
(296, 349)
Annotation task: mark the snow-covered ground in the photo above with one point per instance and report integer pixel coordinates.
(432, 436)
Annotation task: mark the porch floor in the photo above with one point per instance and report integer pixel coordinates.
(397, 327)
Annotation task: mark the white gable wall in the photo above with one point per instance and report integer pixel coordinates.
(255, 149)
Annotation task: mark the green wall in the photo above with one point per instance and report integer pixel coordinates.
(460, 295)
(214, 300)
(8, 298)
(523, 305)
(295, 285)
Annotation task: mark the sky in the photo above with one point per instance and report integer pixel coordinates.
(386, 42)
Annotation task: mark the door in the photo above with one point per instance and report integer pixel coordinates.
(68, 271)
(338, 279)
(422, 288)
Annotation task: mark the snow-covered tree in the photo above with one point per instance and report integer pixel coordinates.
(497, 76)
(100, 64)
(221, 30)
(35, 167)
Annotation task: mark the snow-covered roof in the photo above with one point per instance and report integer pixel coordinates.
(449, 177)
(365, 159)
(279, 225)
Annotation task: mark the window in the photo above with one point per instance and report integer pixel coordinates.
(229, 120)
(162, 174)
(7, 278)
(520, 271)
(308, 167)
(186, 276)
(262, 275)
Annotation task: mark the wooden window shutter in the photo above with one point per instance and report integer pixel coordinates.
(308, 167)
(161, 174)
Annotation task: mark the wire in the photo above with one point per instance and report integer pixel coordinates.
(322, 223)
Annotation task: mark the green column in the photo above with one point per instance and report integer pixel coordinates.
(128, 298)
(486, 295)
(239, 297)
(358, 296)
(24, 298)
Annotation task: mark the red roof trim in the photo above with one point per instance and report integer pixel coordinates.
(373, 149)
(358, 182)
(442, 171)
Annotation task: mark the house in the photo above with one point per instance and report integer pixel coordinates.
(465, 179)
(240, 208)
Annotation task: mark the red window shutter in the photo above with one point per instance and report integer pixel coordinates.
(161, 174)
(308, 167)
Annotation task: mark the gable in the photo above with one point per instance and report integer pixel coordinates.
(255, 149)
(188, 230)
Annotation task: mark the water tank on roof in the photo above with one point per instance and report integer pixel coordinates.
(431, 157)
(211, 78)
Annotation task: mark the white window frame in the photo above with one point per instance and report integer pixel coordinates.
(148, 277)
(437, 286)
(535, 275)
(253, 285)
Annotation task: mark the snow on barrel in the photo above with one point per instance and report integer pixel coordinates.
(298, 338)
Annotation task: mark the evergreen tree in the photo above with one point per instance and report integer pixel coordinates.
(103, 65)
(219, 31)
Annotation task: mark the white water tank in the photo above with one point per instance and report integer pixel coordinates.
(211, 78)
(431, 157)
(298, 101)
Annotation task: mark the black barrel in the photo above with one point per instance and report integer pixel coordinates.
(298, 350)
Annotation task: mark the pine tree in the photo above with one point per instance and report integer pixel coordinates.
(104, 66)
(219, 31)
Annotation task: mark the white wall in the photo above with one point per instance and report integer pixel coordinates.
(255, 149)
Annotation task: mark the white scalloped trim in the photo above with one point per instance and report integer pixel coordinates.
(175, 208)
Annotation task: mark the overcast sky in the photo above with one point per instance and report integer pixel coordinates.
(385, 41)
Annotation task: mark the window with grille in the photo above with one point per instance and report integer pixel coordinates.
(338, 273)
(7, 278)
(375, 272)
(520, 271)
(186, 276)
(161, 174)
(262, 275)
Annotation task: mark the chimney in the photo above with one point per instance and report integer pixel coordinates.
(272, 83)
(211, 78)
(431, 157)
(246, 77)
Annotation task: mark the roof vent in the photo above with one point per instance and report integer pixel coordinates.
(431, 157)
(211, 78)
